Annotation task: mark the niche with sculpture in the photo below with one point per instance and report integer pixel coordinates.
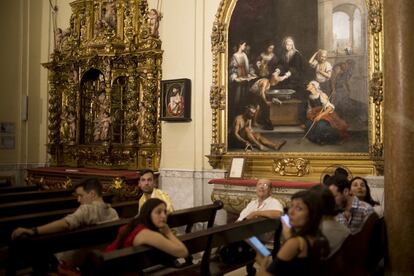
(104, 82)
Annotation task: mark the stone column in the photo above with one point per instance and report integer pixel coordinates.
(351, 31)
(325, 28)
(399, 134)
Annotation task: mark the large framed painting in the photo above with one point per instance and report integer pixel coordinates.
(297, 86)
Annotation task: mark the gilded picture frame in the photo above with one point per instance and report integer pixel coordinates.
(298, 155)
(176, 100)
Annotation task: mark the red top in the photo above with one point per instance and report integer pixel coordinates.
(128, 241)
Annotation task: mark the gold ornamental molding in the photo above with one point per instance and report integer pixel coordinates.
(104, 87)
(303, 164)
(291, 167)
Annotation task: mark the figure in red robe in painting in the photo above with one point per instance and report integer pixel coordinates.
(175, 105)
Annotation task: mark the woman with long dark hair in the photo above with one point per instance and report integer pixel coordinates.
(305, 245)
(360, 189)
(150, 228)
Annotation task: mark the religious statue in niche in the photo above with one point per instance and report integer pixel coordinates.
(102, 120)
(105, 124)
(107, 63)
(68, 126)
(154, 21)
(108, 20)
(59, 35)
(71, 120)
(75, 75)
(84, 27)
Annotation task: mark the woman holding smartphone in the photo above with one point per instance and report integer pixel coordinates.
(304, 245)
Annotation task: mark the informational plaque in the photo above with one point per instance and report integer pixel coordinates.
(236, 168)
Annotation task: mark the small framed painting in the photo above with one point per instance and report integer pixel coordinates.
(176, 100)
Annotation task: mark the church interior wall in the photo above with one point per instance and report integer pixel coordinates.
(185, 31)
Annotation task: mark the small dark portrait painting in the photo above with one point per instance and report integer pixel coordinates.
(176, 100)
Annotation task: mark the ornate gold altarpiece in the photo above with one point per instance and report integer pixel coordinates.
(305, 166)
(104, 83)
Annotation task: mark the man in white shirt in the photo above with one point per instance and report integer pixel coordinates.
(264, 205)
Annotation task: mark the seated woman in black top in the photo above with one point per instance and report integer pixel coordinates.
(300, 254)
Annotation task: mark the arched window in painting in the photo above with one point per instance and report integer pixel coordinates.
(341, 31)
(347, 21)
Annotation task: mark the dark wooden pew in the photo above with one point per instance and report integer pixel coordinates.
(136, 259)
(35, 248)
(33, 195)
(353, 256)
(18, 189)
(125, 209)
(5, 182)
(205, 213)
(42, 205)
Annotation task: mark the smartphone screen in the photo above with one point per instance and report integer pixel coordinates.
(285, 219)
(258, 246)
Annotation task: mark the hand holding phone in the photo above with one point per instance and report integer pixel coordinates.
(258, 246)
(285, 220)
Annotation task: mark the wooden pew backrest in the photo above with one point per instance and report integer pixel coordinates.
(42, 205)
(133, 259)
(17, 189)
(105, 233)
(32, 195)
(352, 258)
(126, 209)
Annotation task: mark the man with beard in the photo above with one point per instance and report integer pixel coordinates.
(244, 137)
(355, 211)
(147, 186)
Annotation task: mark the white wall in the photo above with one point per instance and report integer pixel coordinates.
(22, 77)
(185, 31)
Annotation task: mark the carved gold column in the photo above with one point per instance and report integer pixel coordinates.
(54, 109)
(132, 115)
(217, 92)
(399, 139)
(129, 32)
(148, 109)
(72, 101)
(108, 80)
